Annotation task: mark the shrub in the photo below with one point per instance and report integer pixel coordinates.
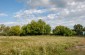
(15, 31)
(62, 30)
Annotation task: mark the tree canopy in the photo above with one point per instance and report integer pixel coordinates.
(40, 28)
(62, 30)
(36, 28)
(78, 28)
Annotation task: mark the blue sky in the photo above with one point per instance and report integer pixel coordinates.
(8, 8)
(53, 12)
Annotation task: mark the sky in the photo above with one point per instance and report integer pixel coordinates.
(53, 12)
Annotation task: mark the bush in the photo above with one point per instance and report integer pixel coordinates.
(62, 30)
(14, 31)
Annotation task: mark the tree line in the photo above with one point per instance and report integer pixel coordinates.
(40, 28)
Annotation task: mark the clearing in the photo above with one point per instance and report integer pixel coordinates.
(42, 45)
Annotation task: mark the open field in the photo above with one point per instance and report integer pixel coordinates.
(42, 45)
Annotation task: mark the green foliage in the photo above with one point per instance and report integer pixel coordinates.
(32, 28)
(2, 26)
(6, 30)
(36, 28)
(43, 27)
(15, 30)
(40, 28)
(23, 30)
(78, 29)
(47, 29)
(62, 30)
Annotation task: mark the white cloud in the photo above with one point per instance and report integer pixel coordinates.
(28, 13)
(51, 3)
(52, 16)
(3, 14)
(8, 23)
(55, 12)
(33, 11)
(14, 23)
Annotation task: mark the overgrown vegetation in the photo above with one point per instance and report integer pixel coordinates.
(40, 45)
(40, 28)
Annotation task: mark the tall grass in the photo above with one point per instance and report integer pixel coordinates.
(38, 45)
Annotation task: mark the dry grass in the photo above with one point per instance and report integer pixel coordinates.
(39, 45)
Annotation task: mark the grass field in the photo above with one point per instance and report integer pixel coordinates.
(42, 45)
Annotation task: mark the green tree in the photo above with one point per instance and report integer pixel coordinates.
(62, 30)
(23, 30)
(32, 28)
(15, 31)
(78, 29)
(6, 30)
(2, 26)
(47, 29)
(41, 27)
(37, 28)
